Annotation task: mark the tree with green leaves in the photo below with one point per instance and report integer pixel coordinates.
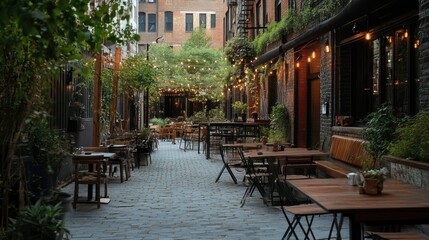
(197, 69)
(36, 40)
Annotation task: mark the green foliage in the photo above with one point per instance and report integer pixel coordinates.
(137, 72)
(216, 115)
(198, 39)
(199, 117)
(379, 133)
(38, 221)
(239, 107)
(295, 22)
(159, 121)
(280, 124)
(36, 40)
(413, 138)
(197, 69)
(238, 48)
(47, 146)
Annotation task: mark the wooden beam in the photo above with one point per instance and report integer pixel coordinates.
(115, 90)
(97, 100)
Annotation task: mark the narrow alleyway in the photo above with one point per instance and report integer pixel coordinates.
(176, 197)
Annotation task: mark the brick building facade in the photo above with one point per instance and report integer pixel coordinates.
(172, 21)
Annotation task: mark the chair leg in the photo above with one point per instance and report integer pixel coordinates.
(76, 193)
(220, 173)
(121, 169)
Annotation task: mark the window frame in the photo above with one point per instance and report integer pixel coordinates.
(203, 16)
(189, 26)
(168, 26)
(213, 20)
(142, 24)
(149, 22)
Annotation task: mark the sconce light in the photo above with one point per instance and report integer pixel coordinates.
(298, 58)
(325, 108)
(327, 48)
(368, 36)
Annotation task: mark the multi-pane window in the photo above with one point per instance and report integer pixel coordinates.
(151, 22)
(278, 10)
(189, 22)
(292, 4)
(212, 20)
(142, 22)
(168, 21)
(203, 20)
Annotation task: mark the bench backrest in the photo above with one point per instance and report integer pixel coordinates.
(348, 150)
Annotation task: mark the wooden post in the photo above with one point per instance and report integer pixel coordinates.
(115, 90)
(97, 100)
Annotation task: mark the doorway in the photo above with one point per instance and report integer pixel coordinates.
(314, 113)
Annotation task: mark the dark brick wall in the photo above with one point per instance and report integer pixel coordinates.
(424, 53)
(326, 85)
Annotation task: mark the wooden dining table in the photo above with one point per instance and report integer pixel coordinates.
(399, 203)
(106, 156)
(287, 152)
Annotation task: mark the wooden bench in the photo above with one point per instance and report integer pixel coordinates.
(346, 155)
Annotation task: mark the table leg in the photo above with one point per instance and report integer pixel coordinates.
(355, 228)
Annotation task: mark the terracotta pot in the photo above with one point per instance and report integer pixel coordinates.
(372, 186)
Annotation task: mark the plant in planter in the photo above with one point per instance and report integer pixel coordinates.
(38, 221)
(240, 107)
(373, 180)
(378, 134)
(48, 147)
(413, 138)
(280, 124)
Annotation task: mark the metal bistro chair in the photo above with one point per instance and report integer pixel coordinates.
(301, 208)
(257, 176)
(228, 163)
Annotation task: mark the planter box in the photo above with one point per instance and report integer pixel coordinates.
(412, 172)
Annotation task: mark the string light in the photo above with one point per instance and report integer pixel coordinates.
(327, 48)
(313, 54)
(368, 36)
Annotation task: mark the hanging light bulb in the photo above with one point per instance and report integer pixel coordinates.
(309, 59)
(406, 34)
(297, 64)
(313, 54)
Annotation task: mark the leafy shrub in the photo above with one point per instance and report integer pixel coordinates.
(413, 138)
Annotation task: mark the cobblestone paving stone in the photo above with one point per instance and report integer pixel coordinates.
(176, 197)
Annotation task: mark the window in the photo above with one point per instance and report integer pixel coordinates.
(212, 20)
(292, 4)
(258, 17)
(203, 20)
(189, 22)
(168, 21)
(380, 71)
(151, 1)
(142, 1)
(151, 22)
(142, 22)
(278, 8)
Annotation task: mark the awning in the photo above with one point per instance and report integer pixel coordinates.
(354, 9)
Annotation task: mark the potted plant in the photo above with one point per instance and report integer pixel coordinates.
(378, 134)
(240, 107)
(50, 150)
(373, 180)
(38, 221)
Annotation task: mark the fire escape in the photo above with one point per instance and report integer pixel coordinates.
(245, 11)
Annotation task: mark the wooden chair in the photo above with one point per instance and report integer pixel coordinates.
(396, 236)
(94, 175)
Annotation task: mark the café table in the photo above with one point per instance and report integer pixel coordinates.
(399, 203)
(106, 155)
